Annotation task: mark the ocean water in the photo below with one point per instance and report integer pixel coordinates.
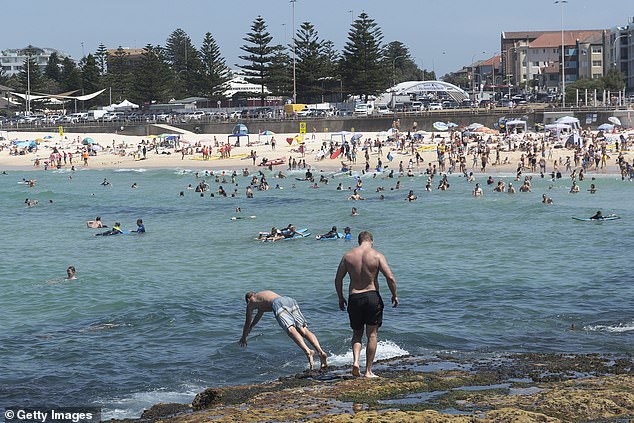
(156, 318)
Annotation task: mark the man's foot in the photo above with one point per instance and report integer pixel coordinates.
(324, 363)
(369, 374)
(355, 370)
(311, 361)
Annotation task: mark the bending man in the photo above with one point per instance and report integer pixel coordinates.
(365, 306)
(288, 315)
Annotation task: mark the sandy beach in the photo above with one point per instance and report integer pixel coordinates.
(122, 152)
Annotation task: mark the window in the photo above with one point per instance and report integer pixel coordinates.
(544, 51)
(535, 63)
(555, 50)
(596, 63)
(596, 75)
(596, 49)
(571, 65)
(553, 77)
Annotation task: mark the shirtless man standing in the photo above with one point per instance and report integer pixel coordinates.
(288, 315)
(365, 306)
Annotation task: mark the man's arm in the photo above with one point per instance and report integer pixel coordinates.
(247, 326)
(341, 273)
(384, 268)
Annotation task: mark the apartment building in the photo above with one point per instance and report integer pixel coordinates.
(12, 60)
(533, 58)
(620, 53)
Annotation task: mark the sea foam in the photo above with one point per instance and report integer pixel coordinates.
(618, 328)
(384, 350)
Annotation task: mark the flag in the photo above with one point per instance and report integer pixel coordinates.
(389, 156)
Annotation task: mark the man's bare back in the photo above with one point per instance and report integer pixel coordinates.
(363, 264)
(263, 301)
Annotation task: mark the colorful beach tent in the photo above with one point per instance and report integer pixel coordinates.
(88, 140)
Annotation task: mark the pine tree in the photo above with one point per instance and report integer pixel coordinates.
(362, 68)
(52, 69)
(153, 77)
(70, 77)
(333, 86)
(215, 71)
(397, 58)
(90, 79)
(280, 79)
(101, 56)
(119, 74)
(185, 61)
(30, 75)
(259, 55)
(309, 50)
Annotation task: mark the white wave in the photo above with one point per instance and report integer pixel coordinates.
(133, 405)
(131, 170)
(621, 327)
(384, 350)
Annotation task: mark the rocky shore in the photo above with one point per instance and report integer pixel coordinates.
(505, 388)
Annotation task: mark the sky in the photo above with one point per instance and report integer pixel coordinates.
(442, 35)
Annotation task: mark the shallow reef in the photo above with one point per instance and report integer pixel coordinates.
(505, 388)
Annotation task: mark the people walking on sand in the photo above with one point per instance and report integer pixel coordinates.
(289, 317)
(365, 306)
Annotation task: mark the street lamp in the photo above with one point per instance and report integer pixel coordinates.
(294, 61)
(614, 46)
(473, 72)
(563, 64)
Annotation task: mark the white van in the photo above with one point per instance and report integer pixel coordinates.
(363, 109)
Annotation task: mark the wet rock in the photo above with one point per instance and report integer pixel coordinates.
(206, 399)
(163, 410)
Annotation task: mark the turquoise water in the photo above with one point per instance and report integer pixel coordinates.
(157, 317)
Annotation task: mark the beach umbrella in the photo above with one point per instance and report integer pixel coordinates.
(88, 140)
(96, 147)
(440, 126)
(615, 120)
(267, 132)
(451, 125)
(605, 127)
(392, 131)
(48, 137)
(39, 140)
(357, 136)
(474, 126)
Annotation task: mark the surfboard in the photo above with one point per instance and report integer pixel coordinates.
(587, 219)
(242, 217)
(336, 153)
(320, 238)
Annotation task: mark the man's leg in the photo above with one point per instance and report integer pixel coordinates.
(306, 333)
(357, 334)
(370, 349)
(295, 336)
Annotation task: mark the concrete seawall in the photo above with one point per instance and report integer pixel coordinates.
(424, 121)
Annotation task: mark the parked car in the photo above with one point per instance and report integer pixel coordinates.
(382, 109)
(435, 106)
(196, 115)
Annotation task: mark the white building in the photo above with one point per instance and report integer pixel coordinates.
(238, 84)
(12, 60)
